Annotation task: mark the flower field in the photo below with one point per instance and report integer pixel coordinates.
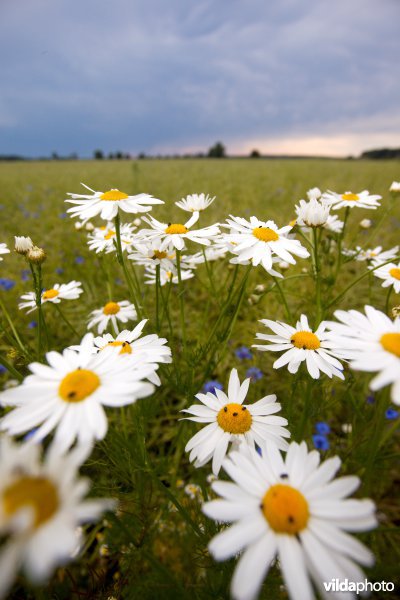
(199, 378)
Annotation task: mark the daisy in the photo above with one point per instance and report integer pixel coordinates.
(231, 421)
(166, 236)
(60, 291)
(374, 255)
(258, 241)
(69, 394)
(195, 202)
(314, 194)
(22, 244)
(148, 256)
(293, 510)
(372, 343)
(395, 187)
(312, 213)
(107, 204)
(104, 239)
(3, 250)
(348, 199)
(391, 275)
(300, 344)
(122, 311)
(334, 224)
(212, 253)
(166, 275)
(42, 503)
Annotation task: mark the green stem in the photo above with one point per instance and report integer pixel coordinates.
(157, 298)
(317, 276)
(13, 328)
(66, 321)
(121, 261)
(282, 295)
(11, 369)
(181, 299)
(390, 290)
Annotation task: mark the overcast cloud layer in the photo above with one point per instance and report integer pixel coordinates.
(313, 76)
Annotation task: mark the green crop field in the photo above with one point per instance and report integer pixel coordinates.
(154, 544)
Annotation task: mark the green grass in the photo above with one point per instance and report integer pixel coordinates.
(157, 542)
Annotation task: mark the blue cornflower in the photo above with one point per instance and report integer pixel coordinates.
(59, 270)
(32, 324)
(6, 284)
(391, 413)
(320, 442)
(118, 281)
(63, 215)
(370, 399)
(2, 369)
(243, 353)
(322, 428)
(212, 385)
(25, 274)
(254, 373)
(79, 260)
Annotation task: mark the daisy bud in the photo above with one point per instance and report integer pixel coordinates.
(259, 289)
(78, 225)
(365, 223)
(312, 213)
(283, 265)
(22, 244)
(89, 226)
(253, 299)
(137, 222)
(314, 194)
(347, 428)
(395, 187)
(36, 255)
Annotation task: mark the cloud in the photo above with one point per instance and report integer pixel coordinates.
(150, 75)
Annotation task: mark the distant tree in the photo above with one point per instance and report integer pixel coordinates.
(141, 156)
(217, 151)
(98, 155)
(380, 153)
(255, 154)
(111, 156)
(54, 156)
(119, 155)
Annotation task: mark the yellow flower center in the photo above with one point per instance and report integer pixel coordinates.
(292, 223)
(265, 234)
(234, 418)
(285, 509)
(111, 308)
(125, 346)
(395, 272)
(110, 233)
(159, 255)
(38, 493)
(78, 385)
(114, 196)
(305, 340)
(174, 228)
(350, 197)
(49, 294)
(391, 343)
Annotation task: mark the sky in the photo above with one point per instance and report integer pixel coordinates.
(316, 77)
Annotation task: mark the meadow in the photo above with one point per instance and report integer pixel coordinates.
(155, 544)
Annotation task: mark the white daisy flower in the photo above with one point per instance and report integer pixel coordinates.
(22, 244)
(42, 503)
(103, 239)
(146, 255)
(348, 199)
(60, 291)
(166, 236)
(107, 204)
(3, 250)
(301, 344)
(195, 202)
(391, 276)
(69, 394)
(166, 275)
(395, 187)
(231, 421)
(293, 510)
(372, 343)
(213, 253)
(113, 312)
(311, 213)
(334, 224)
(314, 194)
(258, 241)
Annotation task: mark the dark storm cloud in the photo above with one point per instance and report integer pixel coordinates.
(156, 75)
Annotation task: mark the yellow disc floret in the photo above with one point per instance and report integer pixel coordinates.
(349, 197)
(391, 343)
(37, 493)
(111, 308)
(78, 385)
(285, 509)
(234, 418)
(110, 234)
(49, 294)
(174, 228)
(395, 273)
(159, 255)
(306, 340)
(265, 234)
(114, 196)
(125, 346)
